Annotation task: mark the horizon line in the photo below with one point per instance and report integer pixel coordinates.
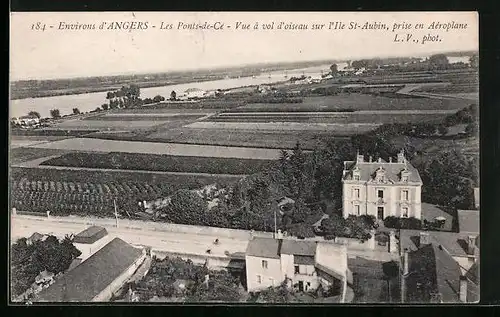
(233, 66)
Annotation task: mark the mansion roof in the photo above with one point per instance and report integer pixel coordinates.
(392, 171)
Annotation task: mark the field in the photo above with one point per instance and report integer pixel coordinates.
(24, 154)
(93, 124)
(164, 163)
(97, 145)
(243, 138)
(92, 192)
(335, 117)
(337, 128)
(170, 115)
(356, 101)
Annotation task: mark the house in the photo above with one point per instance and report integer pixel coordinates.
(90, 240)
(304, 265)
(192, 93)
(381, 188)
(35, 237)
(431, 275)
(26, 121)
(463, 248)
(97, 278)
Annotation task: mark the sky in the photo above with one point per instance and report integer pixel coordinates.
(54, 53)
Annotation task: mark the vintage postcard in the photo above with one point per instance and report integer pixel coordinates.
(256, 157)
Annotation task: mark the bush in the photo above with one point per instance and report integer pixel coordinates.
(403, 223)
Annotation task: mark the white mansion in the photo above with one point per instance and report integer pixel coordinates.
(381, 188)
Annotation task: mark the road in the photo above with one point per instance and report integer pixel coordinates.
(188, 243)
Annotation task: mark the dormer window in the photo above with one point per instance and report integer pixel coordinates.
(405, 173)
(355, 174)
(380, 175)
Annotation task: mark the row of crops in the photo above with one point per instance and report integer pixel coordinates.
(64, 198)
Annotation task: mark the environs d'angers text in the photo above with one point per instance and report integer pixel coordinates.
(338, 25)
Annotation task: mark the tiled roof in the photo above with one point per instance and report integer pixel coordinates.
(454, 243)
(36, 237)
(303, 260)
(432, 270)
(392, 170)
(264, 247)
(468, 221)
(297, 247)
(90, 235)
(92, 276)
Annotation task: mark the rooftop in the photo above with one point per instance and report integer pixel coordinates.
(92, 276)
(468, 221)
(432, 212)
(264, 247)
(295, 247)
(433, 270)
(454, 243)
(392, 170)
(90, 235)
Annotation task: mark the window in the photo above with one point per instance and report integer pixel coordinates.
(259, 279)
(297, 269)
(404, 211)
(380, 193)
(404, 195)
(356, 177)
(356, 192)
(356, 210)
(264, 264)
(404, 178)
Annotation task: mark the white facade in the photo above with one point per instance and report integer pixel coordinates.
(263, 273)
(381, 189)
(88, 249)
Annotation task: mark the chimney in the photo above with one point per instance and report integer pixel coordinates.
(360, 158)
(424, 238)
(401, 157)
(471, 244)
(380, 160)
(390, 159)
(371, 158)
(406, 268)
(463, 289)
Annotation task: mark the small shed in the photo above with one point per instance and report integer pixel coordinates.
(90, 235)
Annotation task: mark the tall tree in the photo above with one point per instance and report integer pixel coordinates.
(173, 95)
(76, 111)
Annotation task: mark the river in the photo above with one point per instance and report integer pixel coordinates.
(89, 101)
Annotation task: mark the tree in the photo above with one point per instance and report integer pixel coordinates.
(158, 98)
(34, 114)
(472, 129)
(76, 111)
(55, 113)
(438, 60)
(173, 95)
(333, 69)
(186, 207)
(105, 106)
(474, 61)
(333, 226)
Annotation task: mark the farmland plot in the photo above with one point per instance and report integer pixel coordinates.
(356, 101)
(244, 138)
(97, 145)
(108, 125)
